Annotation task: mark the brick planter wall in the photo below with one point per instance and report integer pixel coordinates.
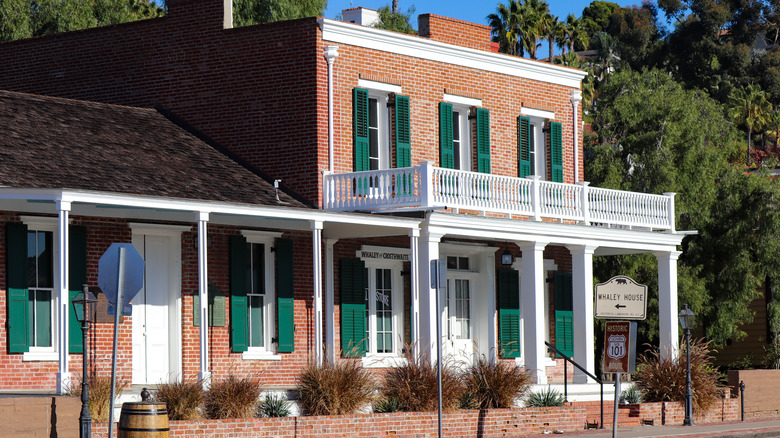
(761, 389)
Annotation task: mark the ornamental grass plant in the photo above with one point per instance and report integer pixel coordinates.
(233, 397)
(335, 389)
(494, 385)
(413, 385)
(184, 399)
(546, 398)
(664, 378)
(99, 393)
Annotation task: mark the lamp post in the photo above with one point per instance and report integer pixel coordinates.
(83, 305)
(686, 316)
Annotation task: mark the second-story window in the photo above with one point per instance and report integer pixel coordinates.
(381, 128)
(533, 154)
(455, 137)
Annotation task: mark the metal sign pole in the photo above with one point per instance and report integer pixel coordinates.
(118, 310)
(615, 411)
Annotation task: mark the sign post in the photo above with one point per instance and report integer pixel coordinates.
(438, 281)
(120, 277)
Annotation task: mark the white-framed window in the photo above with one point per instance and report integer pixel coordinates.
(261, 297)
(384, 313)
(378, 131)
(538, 140)
(42, 288)
(461, 137)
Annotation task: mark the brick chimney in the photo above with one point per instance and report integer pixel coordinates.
(202, 11)
(457, 32)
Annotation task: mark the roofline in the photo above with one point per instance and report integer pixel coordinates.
(200, 206)
(418, 47)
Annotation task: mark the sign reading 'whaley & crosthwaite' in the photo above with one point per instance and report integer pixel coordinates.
(367, 252)
(621, 298)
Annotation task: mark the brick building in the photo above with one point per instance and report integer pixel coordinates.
(358, 156)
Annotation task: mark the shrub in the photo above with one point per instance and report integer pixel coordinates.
(100, 394)
(631, 395)
(491, 385)
(415, 387)
(664, 379)
(274, 406)
(233, 397)
(387, 405)
(546, 398)
(184, 399)
(335, 389)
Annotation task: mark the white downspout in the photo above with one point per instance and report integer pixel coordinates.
(576, 98)
(331, 53)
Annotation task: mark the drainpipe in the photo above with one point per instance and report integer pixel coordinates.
(331, 53)
(576, 98)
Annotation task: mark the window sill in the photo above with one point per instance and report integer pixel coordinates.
(383, 361)
(40, 356)
(260, 355)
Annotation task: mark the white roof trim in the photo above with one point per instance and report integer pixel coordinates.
(542, 114)
(393, 42)
(462, 100)
(379, 86)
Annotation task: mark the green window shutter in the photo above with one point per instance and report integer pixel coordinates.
(483, 140)
(556, 152)
(77, 276)
(403, 132)
(446, 148)
(285, 290)
(238, 301)
(509, 313)
(16, 258)
(564, 329)
(360, 126)
(353, 308)
(523, 146)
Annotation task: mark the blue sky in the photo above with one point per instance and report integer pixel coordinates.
(468, 10)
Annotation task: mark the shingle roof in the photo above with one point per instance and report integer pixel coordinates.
(48, 142)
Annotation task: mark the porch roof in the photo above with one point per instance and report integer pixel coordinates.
(50, 142)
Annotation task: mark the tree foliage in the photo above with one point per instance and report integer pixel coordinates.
(249, 12)
(396, 21)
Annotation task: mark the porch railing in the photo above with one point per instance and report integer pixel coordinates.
(429, 187)
(566, 360)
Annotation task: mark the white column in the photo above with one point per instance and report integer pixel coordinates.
(330, 297)
(63, 376)
(582, 290)
(576, 98)
(316, 244)
(667, 303)
(203, 293)
(532, 290)
(414, 282)
(488, 269)
(429, 250)
(330, 53)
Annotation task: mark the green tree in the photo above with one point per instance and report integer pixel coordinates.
(505, 24)
(249, 12)
(749, 106)
(597, 16)
(575, 35)
(397, 21)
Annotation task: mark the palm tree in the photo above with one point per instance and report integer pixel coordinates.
(506, 27)
(552, 29)
(749, 105)
(532, 24)
(576, 33)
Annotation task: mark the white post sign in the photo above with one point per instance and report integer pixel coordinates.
(621, 298)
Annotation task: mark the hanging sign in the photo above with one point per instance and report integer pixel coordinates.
(621, 298)
(620, 347)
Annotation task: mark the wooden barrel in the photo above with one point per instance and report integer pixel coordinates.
(143, 420)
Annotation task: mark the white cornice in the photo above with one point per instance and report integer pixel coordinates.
(417, 47)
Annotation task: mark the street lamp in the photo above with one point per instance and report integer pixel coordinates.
(687, 316)
(83, 305)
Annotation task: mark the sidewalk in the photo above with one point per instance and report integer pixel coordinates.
(740, 429)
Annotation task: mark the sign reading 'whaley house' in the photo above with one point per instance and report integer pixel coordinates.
(621, 298)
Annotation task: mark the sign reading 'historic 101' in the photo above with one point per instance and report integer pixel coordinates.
(621, 298)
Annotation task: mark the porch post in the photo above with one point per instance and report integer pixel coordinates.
(63, 376)
(429, 250)
(204, 375)
(414, 282)
(330, 317)
(532, 289)
(316, 244)
(582, 289)
(667, 302)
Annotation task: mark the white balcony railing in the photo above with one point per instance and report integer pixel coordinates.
(427, 187)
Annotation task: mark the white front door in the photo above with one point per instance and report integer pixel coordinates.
(156, 344)
(459, 320)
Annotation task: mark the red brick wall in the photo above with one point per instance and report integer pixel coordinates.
(761, 389)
